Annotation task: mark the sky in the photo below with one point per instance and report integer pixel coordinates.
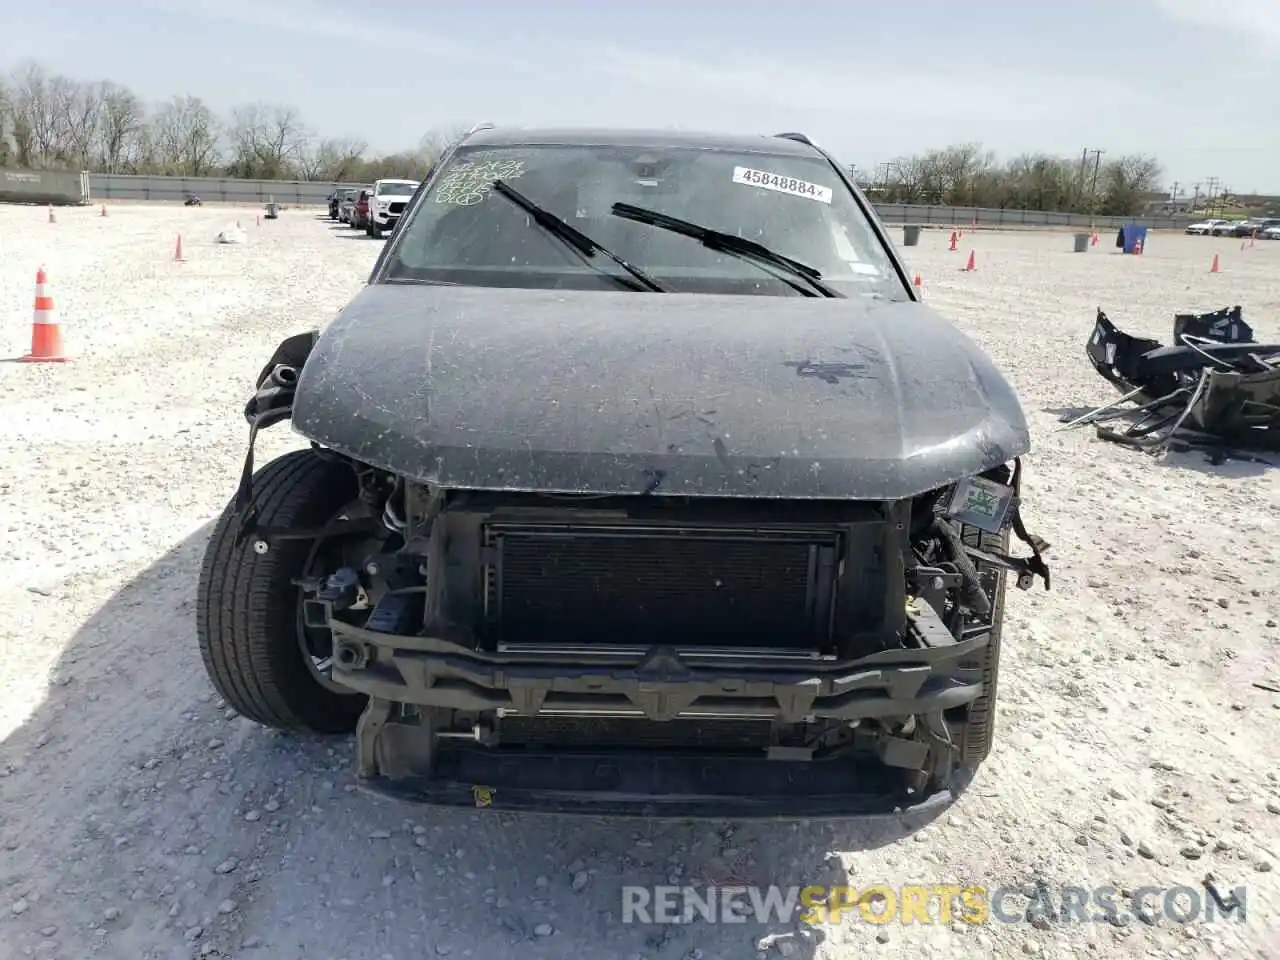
(1195, 83)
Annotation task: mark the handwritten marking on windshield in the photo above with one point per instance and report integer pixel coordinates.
(470, 181)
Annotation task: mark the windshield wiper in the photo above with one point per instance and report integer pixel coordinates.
(747, 250)
(574, 238)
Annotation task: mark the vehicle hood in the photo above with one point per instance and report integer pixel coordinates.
(682, 394)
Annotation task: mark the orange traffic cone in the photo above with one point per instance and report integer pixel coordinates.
(104, 209)
(1213, 267)
(259, 220)
(1243, 244)
(177, 250)
(954, 237)
(52, 218)
(918, 283)
(972, 264)
(46, 334)
(1093, 240)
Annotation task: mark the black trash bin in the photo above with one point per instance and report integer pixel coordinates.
(910, 235)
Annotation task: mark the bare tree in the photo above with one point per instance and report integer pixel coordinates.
(967, 174)
(334, 159)
(6, 125)
(34, 119)
(266, 140)
(122, 120)
(1125, 183)
(958, 170)
(910, 181)
(435, 142)
(184, 138)
(77, 108)
(1039, 182)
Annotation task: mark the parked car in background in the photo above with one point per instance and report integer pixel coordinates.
(360, 210)
(1204, 226)
(344, 208)
(1222, 228)
(1271, 233)
(389, 199)
(1254, 225)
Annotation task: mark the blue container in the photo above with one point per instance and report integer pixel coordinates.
(1132, 238)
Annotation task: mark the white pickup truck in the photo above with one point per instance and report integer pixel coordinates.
(387, 202)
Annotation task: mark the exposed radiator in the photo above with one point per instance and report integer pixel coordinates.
(565, 585)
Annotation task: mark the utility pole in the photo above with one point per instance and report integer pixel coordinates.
(1084, 166)
(1211, 186)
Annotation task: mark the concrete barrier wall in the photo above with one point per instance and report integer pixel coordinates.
(112, 186)
(116, 186)
(43, 186)
(897, 213)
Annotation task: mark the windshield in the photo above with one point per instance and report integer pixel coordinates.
(461, 232)
(398, 188)
(349, 195)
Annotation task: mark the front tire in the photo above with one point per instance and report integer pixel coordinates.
(978, 734)
(248, 608)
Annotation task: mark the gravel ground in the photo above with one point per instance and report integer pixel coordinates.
(140, 819)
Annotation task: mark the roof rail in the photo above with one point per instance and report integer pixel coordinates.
(798, 137)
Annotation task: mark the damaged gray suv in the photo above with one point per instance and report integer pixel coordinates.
(604, 511)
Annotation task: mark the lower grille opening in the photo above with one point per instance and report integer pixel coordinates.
(585, 732)
(626, 586)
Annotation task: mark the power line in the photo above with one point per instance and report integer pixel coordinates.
(1211, 186)
(1084, 166)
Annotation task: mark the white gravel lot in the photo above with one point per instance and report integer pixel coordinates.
(138, 819)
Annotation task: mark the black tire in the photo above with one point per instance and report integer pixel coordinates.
(247, 609)
(979, 729)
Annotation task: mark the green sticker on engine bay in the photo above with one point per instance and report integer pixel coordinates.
(981, 503)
